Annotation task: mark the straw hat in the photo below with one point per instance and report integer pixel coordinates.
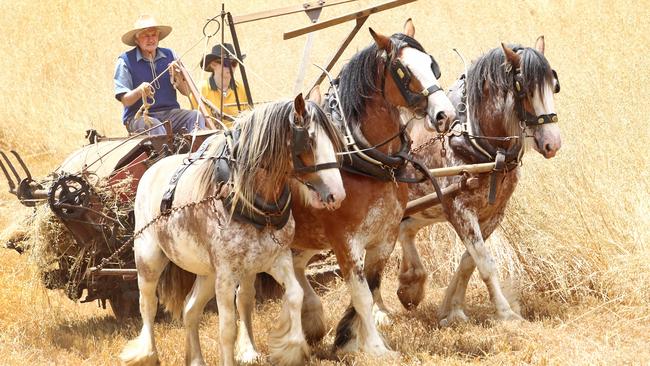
(145, 21)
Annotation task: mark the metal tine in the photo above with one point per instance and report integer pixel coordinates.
(11, 166)
(12, 186)
(22, 164)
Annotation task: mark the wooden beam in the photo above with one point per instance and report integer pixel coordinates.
(344, 18)
(286, 10)
(430, 200)
(460, 169)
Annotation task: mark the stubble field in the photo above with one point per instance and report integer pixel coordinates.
(574, 243)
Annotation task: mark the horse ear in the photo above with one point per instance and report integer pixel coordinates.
(315, 95)
(382, 41)
(298, 109)
(409, 28)
(511, 56)
(539, 44)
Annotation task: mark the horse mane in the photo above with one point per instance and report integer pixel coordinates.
(262, 144)
(492, 71)
(358, 78)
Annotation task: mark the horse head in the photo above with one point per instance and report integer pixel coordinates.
(410, 78)
(314, 143)
(533, 86)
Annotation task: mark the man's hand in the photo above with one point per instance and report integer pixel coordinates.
(177, 78)
(146, 90)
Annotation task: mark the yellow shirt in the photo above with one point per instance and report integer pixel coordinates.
(229, 100)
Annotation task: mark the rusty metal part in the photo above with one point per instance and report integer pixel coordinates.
(28, 191)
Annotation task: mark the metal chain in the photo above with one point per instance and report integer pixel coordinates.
(164, 214)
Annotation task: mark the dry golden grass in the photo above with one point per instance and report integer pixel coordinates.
(574, 241)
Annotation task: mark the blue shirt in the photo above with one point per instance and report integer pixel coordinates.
(122, 80)
(132, 70)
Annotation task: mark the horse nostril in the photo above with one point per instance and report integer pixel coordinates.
(548, 147)
(440, 116)
(330, 198)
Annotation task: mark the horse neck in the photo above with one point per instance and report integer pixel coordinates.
(379, 123)
(266, 189)
(492, 119)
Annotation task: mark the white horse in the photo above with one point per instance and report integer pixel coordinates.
(510, 92)
(239, 228)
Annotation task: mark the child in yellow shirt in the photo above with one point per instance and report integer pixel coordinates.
(221, 82)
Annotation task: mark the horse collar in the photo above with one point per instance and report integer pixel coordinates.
(469, 143)
(258, 213)
(364, 159)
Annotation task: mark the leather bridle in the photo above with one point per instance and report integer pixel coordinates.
(300, 144)
(402, 76)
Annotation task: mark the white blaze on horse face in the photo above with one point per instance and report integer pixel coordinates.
(440, 111)
(547, 136)
(323, 154)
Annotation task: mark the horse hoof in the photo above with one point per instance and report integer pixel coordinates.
(510, 316)
(455, 316)
(140, 352)
(294, 353)
(248, 357)
(411, 288)
(381, 317)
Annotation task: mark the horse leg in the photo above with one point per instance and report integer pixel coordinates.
(467, 227)
(313, 319)
(357, 329)
(246, 351)
(225, 287)
(412, 275)
(375, 262)
(202, 292)
(150, 262)
(452, 308)
(287, 343)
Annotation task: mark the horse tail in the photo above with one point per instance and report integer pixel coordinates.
(173, 287)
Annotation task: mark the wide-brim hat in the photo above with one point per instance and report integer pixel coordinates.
(216, 54)
(145, 21)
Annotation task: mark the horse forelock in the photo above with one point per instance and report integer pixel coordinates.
(263, 144)
(490, 81)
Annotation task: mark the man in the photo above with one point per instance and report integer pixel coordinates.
(142, 73)
(222, 84)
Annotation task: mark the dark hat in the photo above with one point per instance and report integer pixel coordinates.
(216, 54)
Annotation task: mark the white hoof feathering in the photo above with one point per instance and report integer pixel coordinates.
(293, 353)
(455, 316)
(381, 316)
(249, 356)
(138, 353)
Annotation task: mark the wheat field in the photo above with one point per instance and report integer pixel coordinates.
(574, 245)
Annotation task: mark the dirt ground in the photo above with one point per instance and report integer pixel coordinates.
(581, 219)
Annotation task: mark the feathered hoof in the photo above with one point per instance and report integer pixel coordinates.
(135, 353)
(510, 316)
(248, 357)
(454, 317)
(293, 353)
(411, 288)
(382, 317)
(313, 326)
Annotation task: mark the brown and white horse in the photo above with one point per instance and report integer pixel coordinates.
(279, 142)
(509, 93)
(392, 74)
